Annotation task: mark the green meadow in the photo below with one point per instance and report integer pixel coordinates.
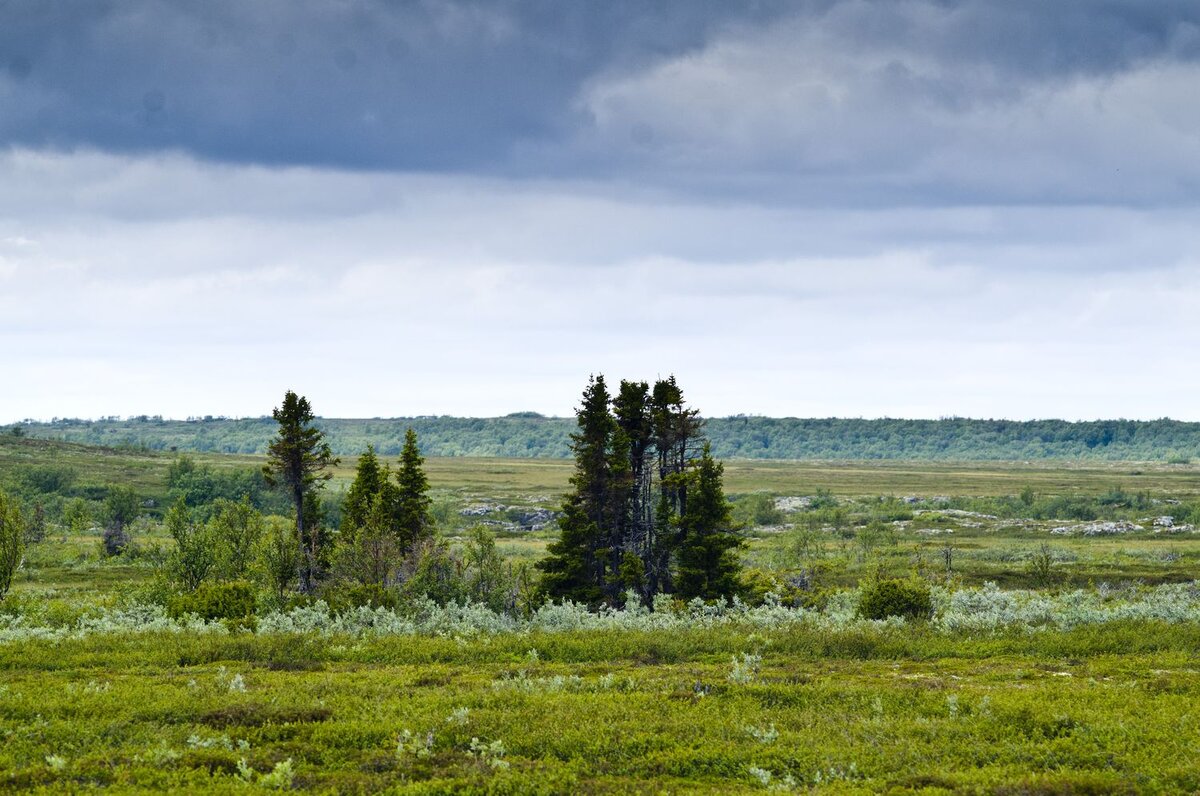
(1062, 655)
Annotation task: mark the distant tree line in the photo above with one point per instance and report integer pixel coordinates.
(527, 434)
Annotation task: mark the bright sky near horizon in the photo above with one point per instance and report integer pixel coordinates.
(985, 208)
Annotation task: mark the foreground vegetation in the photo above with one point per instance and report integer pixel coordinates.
(727, 709)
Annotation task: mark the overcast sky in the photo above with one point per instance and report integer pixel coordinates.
(826, 208)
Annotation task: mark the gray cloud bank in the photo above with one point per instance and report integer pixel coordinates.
(823, 101)
(170, 286)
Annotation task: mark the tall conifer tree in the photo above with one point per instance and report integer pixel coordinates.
(575, 568)
(675, 429)
(708, 565)
(298, 460)
(412, 502)
(369, 480)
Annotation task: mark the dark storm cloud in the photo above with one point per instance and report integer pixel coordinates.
(438, 85)
(912, 97)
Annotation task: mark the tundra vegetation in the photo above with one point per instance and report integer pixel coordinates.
(639, 618)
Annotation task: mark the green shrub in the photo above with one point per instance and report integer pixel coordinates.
(756, 583)
(356, 595)
(12, 541)
(233, 600)
(756, 510)
(437, 573)
(886, 597)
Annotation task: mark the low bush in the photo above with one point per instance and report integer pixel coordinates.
(210, 601)
(345, 597)
(888, 597)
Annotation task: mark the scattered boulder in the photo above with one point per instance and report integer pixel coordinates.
(1186, 527)
(792, 504)
(482, 509)
(511, 518)
(535, 519)
(1114, 528)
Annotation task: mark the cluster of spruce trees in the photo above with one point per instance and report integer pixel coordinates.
(647, 511)
(384, 518)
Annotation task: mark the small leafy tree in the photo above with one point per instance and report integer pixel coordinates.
(1041, 567)
(233, 531)
(12, 541)
(372, 555)
(277, 559)
(489, 581)
(35, 528)
(318, 541)
(435, 572)
(758, 509)
(882, 598)
(77, 516)
(121, 508)
(298, 460)
(194, 556)
(805, 544)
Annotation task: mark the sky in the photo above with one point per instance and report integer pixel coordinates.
(853, 208)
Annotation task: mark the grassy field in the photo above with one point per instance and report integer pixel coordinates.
(500, 478)
(1049, 698)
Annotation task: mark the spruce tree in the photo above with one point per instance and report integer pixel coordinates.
(575, 568)
(618, 519)
(675, 430)
(298, 461)
(369, 481)
(631, 409)
(412, 502)
(707, 558)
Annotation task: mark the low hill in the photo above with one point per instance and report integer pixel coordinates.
(528, 435)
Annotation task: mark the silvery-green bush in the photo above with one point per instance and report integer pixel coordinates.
(976, 610)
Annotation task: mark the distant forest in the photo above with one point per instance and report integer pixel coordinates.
(531, 435)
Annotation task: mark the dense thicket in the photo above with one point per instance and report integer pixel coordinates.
(531, 435)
